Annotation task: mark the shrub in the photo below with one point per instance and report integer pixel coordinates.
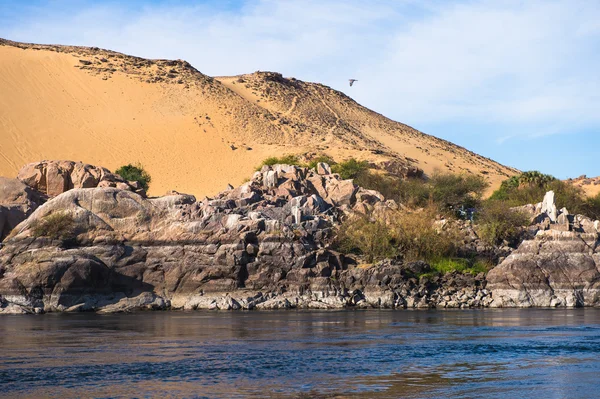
(413, 235)
(419, 238)
(371, 238)
(57, 226)
(461, 265)
(591, 207)
(283, 160)
(497, 222)
(350, 169)
(446, 191)
(451, 191)
(412, 192)
(135, 173)
(321, 158)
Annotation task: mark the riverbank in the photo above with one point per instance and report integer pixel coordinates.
(267, 244)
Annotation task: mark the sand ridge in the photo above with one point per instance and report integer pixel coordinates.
(194, 133)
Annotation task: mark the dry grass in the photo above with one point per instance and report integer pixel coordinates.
(57, 226)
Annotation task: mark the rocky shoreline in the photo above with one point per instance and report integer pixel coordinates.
(263, 245)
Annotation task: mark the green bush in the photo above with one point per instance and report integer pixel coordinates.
(410, 192)
(590, 207)
(321, 158)
(530, 188)
(350, 169)
(497, 222)
(461, 265)
(283, 160)
(135, 173)
(447, 191)
(57, 226)
(419, 238)
(451, 191)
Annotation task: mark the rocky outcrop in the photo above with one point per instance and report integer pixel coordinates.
(55, 177)
(558, 266)
(262, 245)
(263, 239)
(17, 202)
(266, 245)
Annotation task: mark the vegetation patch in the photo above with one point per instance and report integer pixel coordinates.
(136, 173)
(497, 222)
(283, 160)
(57, 226)
(420, 238)
(530, 188)
(412, 235)
(374, 239)
(461, 265)
(350, 169)
(447, 192)
(312, 164)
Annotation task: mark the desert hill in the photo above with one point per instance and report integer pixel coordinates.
(589, 185)
(194, 133)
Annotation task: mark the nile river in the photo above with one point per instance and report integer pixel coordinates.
(509, 353)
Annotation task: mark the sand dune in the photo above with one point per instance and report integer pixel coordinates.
(192, 132)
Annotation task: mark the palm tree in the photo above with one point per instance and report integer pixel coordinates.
(535, 178)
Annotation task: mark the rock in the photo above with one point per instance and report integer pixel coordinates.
(323, 168)
(264, 245)
(549, 207)
(270, 178)
(17, 202)
(342, 192)
(143, 301)
(55, 177)
(556, 268)
(370, 197)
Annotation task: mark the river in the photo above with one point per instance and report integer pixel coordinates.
(505, 353)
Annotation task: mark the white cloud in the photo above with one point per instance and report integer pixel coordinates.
(532, 63)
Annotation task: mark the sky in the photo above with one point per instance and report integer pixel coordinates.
(515, 81)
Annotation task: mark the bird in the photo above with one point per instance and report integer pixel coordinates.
(352, 81)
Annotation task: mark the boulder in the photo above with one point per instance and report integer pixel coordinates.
(17, 202)
(556, 268)
(341, 192)
(55, 177)
(323, 168)
(549, 207)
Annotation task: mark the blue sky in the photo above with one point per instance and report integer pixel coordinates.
(516, 81)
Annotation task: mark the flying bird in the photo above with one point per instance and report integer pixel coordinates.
(352, 81)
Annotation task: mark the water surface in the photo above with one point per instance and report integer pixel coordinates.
(544, 353)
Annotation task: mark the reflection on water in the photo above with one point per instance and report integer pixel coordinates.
(304, 354)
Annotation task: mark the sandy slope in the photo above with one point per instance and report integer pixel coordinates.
(193, 133)
(589, 185)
